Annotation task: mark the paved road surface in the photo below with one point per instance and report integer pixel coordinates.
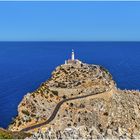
(56, 110)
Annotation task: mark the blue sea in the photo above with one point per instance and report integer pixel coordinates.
(25, 65)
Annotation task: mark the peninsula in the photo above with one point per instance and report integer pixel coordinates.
(79, 101)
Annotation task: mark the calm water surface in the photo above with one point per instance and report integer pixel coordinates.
(25, 65)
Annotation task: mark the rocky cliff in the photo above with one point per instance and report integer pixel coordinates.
(79, 101)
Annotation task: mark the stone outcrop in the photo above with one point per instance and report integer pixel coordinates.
(79, 100)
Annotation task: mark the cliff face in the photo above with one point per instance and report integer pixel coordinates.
(81, 98)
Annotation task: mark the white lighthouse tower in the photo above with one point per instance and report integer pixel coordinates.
(72, 55)
(72, 61)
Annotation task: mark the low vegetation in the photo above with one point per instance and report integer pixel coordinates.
(5, 134)
(25, 112)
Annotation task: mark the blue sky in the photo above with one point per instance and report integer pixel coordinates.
(70, 21)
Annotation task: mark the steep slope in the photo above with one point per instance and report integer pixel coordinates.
(67, 81)
(108, 115)
(79, 101)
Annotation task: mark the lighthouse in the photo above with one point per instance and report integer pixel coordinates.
(72, 60)
(72, 55)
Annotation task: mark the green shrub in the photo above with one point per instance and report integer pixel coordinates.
(71, 104)
(33, 115)
(55, 92)
(64, 97)
(51, 95)
(26, 112)
(5, 135)
(19, 123)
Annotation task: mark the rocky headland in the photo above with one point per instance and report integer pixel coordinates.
(79, 101)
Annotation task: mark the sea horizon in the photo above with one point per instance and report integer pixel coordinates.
(24, 69)
(69, 69)
(69, 41)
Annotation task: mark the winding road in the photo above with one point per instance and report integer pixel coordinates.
(57, 109)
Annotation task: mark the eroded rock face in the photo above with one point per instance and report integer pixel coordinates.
(103, 111)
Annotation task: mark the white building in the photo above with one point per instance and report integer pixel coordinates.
(72, 60)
